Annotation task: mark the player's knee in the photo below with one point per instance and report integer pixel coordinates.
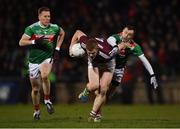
(44, 78)
(96, 92)
(92, 86)
(35, 91)
(103, 90)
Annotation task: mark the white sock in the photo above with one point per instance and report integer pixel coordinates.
(47, 101)
(92, 113)
(36, 111)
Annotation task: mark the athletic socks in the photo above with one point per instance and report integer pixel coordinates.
(36, 107)
(86, 92)
(46, 99)
(94, 114)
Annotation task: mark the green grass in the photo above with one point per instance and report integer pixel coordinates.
(68, 116)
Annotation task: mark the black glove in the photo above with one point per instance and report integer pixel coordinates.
(153, 81)
(39, 44)
(56, 54)
(39, 40)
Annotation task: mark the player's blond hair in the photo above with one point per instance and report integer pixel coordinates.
(41, 9)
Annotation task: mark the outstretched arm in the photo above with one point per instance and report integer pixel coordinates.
(148, 66)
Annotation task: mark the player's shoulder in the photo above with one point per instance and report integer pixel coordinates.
(136, 46)
(100, 39)
(31, 27)
(34, 25)
(54, 25)
(132, 42)
(117, 36)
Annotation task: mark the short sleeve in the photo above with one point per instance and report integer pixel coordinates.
(58, 29)
(83, 40)
(137, 51)
(28, 31)
(118, 38)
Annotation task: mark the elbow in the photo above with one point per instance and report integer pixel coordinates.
(21, 43)
(78, 31)
(62, 32)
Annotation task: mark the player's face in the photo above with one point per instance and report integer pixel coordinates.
(92, 54)
(44, 18)
(127, 34)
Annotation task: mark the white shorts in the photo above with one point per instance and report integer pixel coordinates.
(34, 69)
(118, 75)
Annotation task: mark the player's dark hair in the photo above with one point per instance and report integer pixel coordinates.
(91, 44)
(130, 27)
(41, 9)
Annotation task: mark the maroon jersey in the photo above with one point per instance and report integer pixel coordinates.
(105, 48)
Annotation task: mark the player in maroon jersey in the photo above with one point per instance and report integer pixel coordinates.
(101, 65)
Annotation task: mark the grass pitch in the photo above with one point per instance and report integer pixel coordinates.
(75, 116)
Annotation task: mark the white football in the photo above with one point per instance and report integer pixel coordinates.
(77, 50)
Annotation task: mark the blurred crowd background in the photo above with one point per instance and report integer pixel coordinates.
(157, 24)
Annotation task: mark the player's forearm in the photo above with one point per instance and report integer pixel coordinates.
(146, 64)
(25, 42)
(75, 38)
(60, 40)
(122, 46)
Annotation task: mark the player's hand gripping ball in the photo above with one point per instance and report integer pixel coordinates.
(77, 50)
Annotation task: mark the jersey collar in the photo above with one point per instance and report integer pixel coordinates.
(42, 25)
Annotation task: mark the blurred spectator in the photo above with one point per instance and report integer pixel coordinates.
(70, 74)
(128, 83)
(154, 96)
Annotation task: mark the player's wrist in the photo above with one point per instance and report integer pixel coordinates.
(57, 48)
(32, 41)
(152, 75)
(115, 46)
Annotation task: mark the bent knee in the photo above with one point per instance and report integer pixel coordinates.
(103, 91)
(44, 78)
(92, 86)
(35, 90)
